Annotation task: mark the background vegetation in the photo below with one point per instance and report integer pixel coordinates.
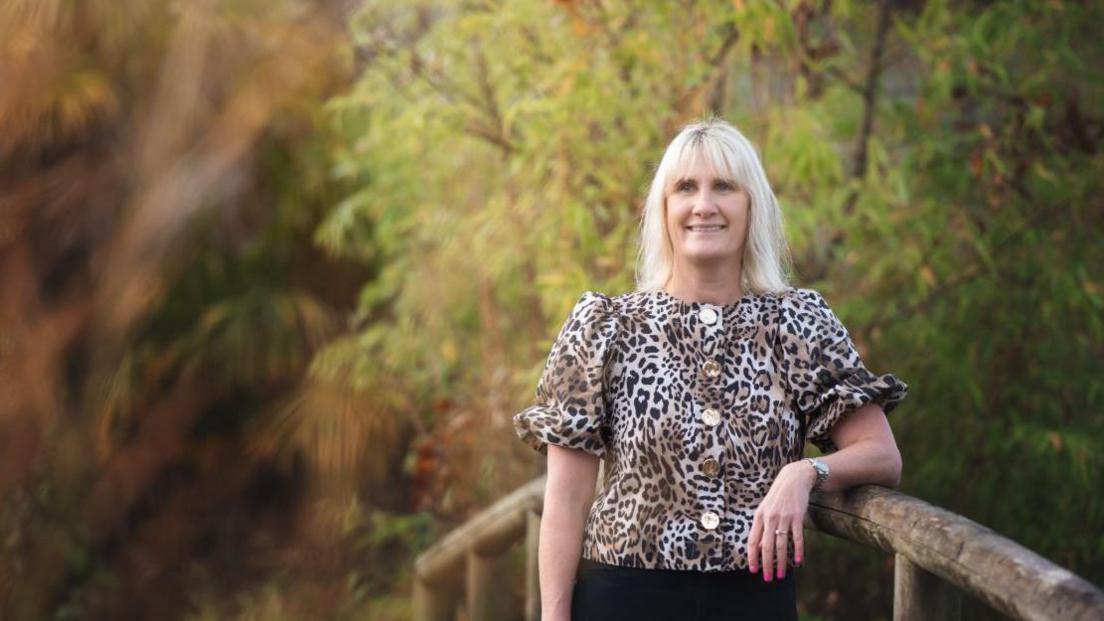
(275, 275)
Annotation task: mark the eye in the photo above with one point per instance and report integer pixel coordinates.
(724, 185)
(683, 186)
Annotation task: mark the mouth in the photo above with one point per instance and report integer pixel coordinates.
(705, 228)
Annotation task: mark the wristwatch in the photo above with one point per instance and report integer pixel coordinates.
(821, 472)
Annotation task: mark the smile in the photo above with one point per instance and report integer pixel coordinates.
(705, 229)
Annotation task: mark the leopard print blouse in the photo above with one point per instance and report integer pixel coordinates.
(694, 408)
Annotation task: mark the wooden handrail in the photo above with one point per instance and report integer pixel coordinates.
(938, 556)
(998, 571)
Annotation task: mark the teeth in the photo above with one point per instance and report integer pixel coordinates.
(706, 228)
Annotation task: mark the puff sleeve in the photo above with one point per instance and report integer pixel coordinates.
(826, 376)
(570, 406)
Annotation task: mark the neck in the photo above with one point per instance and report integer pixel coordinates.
(710, 286)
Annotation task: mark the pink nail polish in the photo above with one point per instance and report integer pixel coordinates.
(766, 577)
(798, 560)
(781, 574)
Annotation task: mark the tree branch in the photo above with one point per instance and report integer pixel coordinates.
(870, 93)
(859, 163)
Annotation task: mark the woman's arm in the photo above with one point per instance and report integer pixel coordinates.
(568, 494)
(867, 451)
(867, 454)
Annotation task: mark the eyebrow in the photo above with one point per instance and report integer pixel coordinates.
(728, 180)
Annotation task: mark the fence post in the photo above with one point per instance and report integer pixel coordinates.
(532, 575)
(488, 586)
(919, 595)
(433, 603)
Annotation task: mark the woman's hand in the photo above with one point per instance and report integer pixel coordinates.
(783, 508)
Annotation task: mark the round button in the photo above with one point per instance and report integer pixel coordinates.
(711, 417)
(708, 316)
(710, 520)
(711, 467)
(712, 368)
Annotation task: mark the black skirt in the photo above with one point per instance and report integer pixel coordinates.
(610, 592)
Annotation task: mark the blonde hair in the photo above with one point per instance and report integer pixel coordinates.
(766, 259)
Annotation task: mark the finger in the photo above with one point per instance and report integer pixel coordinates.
(753, 543)
(766, 547)
(780, 548)
(799, 541)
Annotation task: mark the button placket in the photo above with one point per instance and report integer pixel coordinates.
(711, 324)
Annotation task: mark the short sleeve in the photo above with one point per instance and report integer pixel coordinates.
(570, 405)
(826, 376)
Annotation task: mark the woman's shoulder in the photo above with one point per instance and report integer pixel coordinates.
(594, 305)
(802, 297)
(600, 303)
(594, 315)
(805, 311)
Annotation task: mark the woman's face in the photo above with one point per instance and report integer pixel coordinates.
(707, 217)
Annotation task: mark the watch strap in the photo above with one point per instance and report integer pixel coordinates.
(821, 469)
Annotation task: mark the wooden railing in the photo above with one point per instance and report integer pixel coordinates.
(939, 555)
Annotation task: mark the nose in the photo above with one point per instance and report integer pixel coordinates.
(704, 205)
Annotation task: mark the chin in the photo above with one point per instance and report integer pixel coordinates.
(706, 256)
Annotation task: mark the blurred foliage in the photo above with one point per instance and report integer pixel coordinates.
(165, 166)
(275, 275)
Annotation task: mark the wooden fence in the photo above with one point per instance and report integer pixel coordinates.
(938, 554)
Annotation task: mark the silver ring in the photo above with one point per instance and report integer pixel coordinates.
(779, 532)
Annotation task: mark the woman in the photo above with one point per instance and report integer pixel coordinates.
(698, 391)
